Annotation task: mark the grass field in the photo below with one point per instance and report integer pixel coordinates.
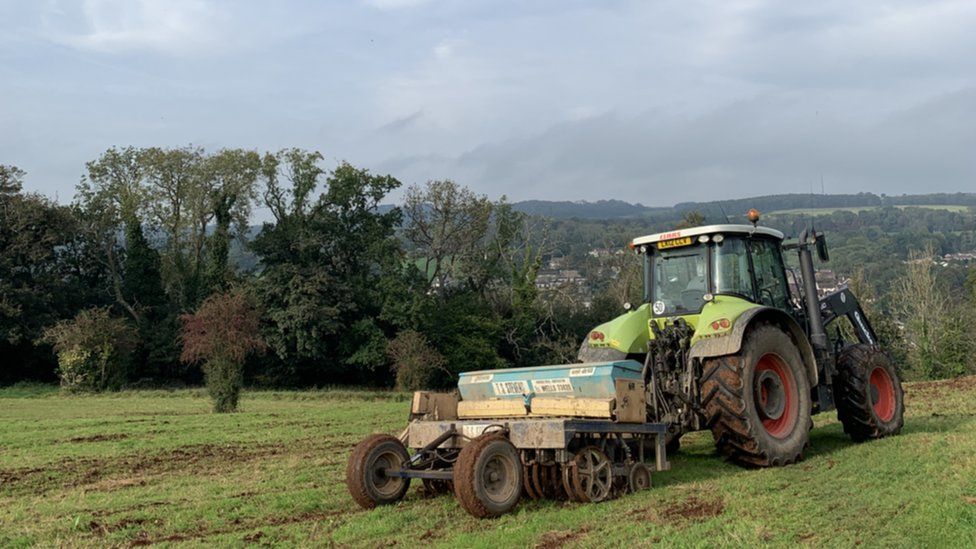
(855, 209)
(157, 468)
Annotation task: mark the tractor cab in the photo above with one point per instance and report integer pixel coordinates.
(686, 269)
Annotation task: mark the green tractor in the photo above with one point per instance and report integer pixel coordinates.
(722, 342)
(730, 345)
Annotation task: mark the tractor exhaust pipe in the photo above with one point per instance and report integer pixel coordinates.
(818, 335)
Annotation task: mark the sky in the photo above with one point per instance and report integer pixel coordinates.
(650, 102)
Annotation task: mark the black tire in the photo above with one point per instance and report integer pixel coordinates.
(364, 471)
(868, 393)
(747, 429)
(488, 477)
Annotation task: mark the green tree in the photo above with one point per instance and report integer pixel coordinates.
(445, 224)
(44, 276)
(693, 218)
(93, 349)
(187, 191)
(970, 285)
(937, 328)
(112, 196)
(325, 262)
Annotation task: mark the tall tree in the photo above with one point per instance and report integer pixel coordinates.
(231, 177)
(40, 280)
(324, 262)
(445, 224)
(112, 196)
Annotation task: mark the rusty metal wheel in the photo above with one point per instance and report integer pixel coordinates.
(639, 477)
(527, 483)
(488, 476)
(568, 486)
(592, 475)
(555, 482)
(537, 483)
(366, 471)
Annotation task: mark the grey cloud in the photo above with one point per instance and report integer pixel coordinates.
(763, 145)
(649, 101)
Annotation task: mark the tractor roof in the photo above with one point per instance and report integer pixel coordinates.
(707, 229)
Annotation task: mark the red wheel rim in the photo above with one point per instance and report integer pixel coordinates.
(882, 394)
(775, 395)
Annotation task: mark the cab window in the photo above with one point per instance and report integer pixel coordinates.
(730, 263)
(771, 286)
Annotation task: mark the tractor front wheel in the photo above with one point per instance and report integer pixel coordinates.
(870, 401)
(757, 403)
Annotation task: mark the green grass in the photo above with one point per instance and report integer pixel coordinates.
(158, 467)
(855, 209)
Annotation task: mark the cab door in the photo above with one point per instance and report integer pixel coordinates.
(770, 273)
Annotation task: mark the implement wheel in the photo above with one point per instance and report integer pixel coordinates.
(870, 401)
(488, 477)
(757, 403)
(366, 471)
(593, 475)
(639, 477)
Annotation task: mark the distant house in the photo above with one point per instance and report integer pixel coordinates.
(960, 257)
(603, 253)
(827, 282)
(552, 278)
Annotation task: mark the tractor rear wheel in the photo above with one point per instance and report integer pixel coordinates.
(757, 403)
(868, 393)
(488, 476)
(366, 471)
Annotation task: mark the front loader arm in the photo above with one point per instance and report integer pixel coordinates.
(844, 303)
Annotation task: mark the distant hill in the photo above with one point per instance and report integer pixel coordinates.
(618, 209)
(601, 209)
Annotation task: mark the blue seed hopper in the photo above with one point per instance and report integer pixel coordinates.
(599, 390)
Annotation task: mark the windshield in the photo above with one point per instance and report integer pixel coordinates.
(679, 280)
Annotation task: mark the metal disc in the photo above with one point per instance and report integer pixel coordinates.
(593, 475)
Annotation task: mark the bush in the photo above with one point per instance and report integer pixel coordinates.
(417, 364)
(223, 331)
(93, 349)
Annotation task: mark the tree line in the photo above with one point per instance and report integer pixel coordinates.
(132, 285)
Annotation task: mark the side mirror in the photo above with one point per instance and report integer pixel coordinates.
(822, 248)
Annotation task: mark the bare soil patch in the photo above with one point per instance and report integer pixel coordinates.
(99, 438)
(693, 509)
(942, 386)
(74, 472)
(553, 540)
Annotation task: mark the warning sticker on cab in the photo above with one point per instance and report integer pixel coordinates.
(580, 372)
(554, 385)
(504, 388)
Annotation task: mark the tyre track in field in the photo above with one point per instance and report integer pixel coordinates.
(201, 459)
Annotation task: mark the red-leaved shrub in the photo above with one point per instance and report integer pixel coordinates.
(223, 331)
